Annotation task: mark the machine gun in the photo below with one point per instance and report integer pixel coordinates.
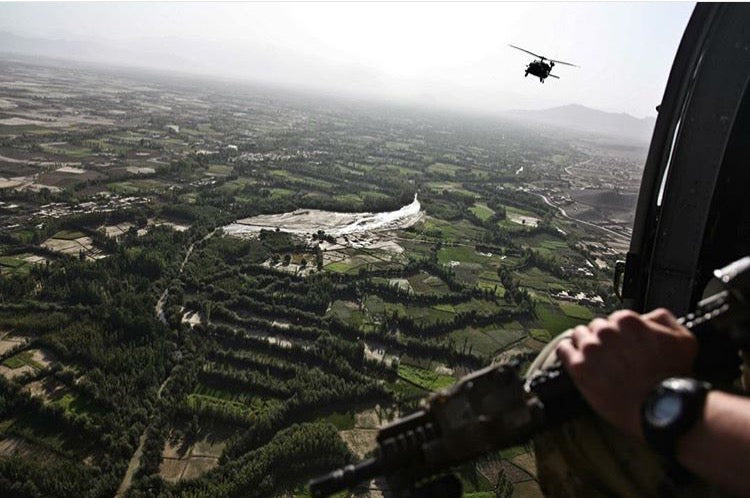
(496, 407)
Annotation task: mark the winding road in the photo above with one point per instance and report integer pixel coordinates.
(620, 236)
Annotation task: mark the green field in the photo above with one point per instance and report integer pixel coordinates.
(75, 404)
(220, 169)
(11, 262)
(67, 150)
(486, 341)
(460, 231)
(137, 186)
(14, 265)
(347, 313)
(349, 198)
(482, 211)
(424, 283)
(553, 319)
(420, 314)
(540, 335)
(461, 254)
(496, 287)
(577, 311)
(21, 359)
(451, 187)
(443, 169)
(339, 267)
(426, 379)
(342, 421)
(535, 278)
(313, 182)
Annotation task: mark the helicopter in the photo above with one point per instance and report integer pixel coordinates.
(541, 68)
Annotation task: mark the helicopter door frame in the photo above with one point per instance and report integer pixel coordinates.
(705, 89)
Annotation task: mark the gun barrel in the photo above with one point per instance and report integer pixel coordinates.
(345, 478)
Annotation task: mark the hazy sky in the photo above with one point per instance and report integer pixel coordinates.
(444, 54)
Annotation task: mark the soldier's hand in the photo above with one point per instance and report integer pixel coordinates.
(615, 362)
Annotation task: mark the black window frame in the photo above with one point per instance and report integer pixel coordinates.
(669, 251)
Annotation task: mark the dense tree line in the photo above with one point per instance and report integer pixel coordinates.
(97, 318)
(291, 455)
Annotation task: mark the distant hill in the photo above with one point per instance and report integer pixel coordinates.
(582, 118)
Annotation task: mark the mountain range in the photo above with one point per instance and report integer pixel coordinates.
(581, 118)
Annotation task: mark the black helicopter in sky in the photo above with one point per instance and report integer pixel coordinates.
(541, 68)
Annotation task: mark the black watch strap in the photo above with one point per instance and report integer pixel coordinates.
(672, 408)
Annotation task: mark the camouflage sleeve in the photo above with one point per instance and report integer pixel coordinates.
(587, 457)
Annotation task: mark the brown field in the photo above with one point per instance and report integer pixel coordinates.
(74, 247)
(63, 179)
(140, 170)
(171, 470)
(599, 205)
(8, 342)
(12, 373)
(527, 489)
(367, 419)
(48, 388)
(34, 259)
(527, 462)
(528, 221)
(534, 344)
(514, 473)
(183, 461)
(16, 446)
(116, 231)
(9, 183)
(197, 466)
(38, 187)
(39, 358)
(521, 471)
(42, 357)
(360, 441)
(174, 226)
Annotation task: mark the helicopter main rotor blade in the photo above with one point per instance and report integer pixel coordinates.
(563, 62)
(524, 50)
(553, 76)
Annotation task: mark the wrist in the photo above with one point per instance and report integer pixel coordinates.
(686, 445)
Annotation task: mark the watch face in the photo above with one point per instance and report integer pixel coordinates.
(665, 409)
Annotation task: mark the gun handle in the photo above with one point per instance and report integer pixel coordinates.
(718, 359)
(558, 395)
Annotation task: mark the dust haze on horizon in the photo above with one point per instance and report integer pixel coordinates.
(446, 55)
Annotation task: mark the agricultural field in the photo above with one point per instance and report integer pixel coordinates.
(208, 289)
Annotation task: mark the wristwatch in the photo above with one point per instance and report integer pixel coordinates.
(670, 410)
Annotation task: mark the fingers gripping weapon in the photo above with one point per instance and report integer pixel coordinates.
(495, 407)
